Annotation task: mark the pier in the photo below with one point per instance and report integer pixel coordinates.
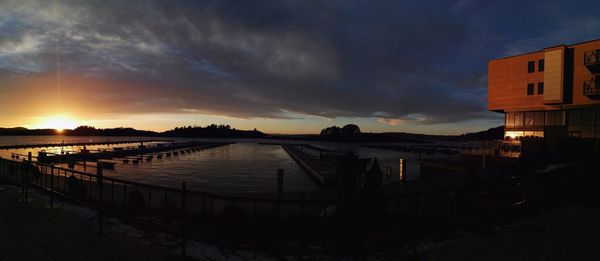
(146, 152)
(49, 145)
(322, 170)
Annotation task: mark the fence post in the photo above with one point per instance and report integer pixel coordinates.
(302, 204)
(100, 196)
(183, 219)
(279, 183)
(27, 170)
(51, 186)
(150, 206)
(279, 190)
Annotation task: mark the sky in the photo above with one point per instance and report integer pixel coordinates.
(279, 66)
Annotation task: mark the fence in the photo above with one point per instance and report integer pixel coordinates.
(176, 211)
(193, 214)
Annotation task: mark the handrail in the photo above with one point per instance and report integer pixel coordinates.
(192, 192)
(591, 57)
(591, 87)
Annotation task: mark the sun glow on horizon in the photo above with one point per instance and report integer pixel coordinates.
(56, 122)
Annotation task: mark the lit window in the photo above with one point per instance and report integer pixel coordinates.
(518, 119)
(510, 119)
(529, 119)
(513, 134)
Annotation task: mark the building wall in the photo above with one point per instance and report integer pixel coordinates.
(581, 73)
(507, 83)
(554, 76)
(508, 79)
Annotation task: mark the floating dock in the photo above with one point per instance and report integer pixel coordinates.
(136, 155)
(322, 171)
(49, 145)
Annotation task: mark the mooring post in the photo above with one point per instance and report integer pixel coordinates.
(183, 219)
(100, 196)
(402, 171)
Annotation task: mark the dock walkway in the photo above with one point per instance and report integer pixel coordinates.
(322, 171)
(48, 145)
(112, 154)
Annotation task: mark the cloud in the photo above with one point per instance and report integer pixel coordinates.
(392, 122)
(387, 60)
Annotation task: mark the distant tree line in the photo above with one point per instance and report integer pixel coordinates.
(120, 131)
(18, 131)
(347, 133)
(496, 133)
(210, 131)
(213, 131)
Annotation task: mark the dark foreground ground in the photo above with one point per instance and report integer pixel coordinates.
(32, 231)
(561, 223)
(566, 233)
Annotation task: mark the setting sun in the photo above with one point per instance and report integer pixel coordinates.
(57, 122)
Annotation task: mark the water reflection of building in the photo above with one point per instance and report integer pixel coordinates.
(552, 93)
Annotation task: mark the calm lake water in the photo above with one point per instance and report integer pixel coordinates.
(245, 166)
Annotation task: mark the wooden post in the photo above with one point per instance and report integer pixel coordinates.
(402, 168)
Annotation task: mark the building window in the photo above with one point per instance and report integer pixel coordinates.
(510, 119)
(531, 67)
(530, 89)
(539, 118)
(518, 119)
(555, 118)
(540, 88)
(529, 119)
(581, 123)
(541, 65)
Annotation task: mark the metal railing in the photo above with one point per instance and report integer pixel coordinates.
(192, 214)
(591, 88)
(590, 58)
(177, 211)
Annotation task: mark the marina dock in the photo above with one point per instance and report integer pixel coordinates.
(321, 170)
(49, 145)
(141, 152)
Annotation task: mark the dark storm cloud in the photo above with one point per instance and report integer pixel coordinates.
(420, 61)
